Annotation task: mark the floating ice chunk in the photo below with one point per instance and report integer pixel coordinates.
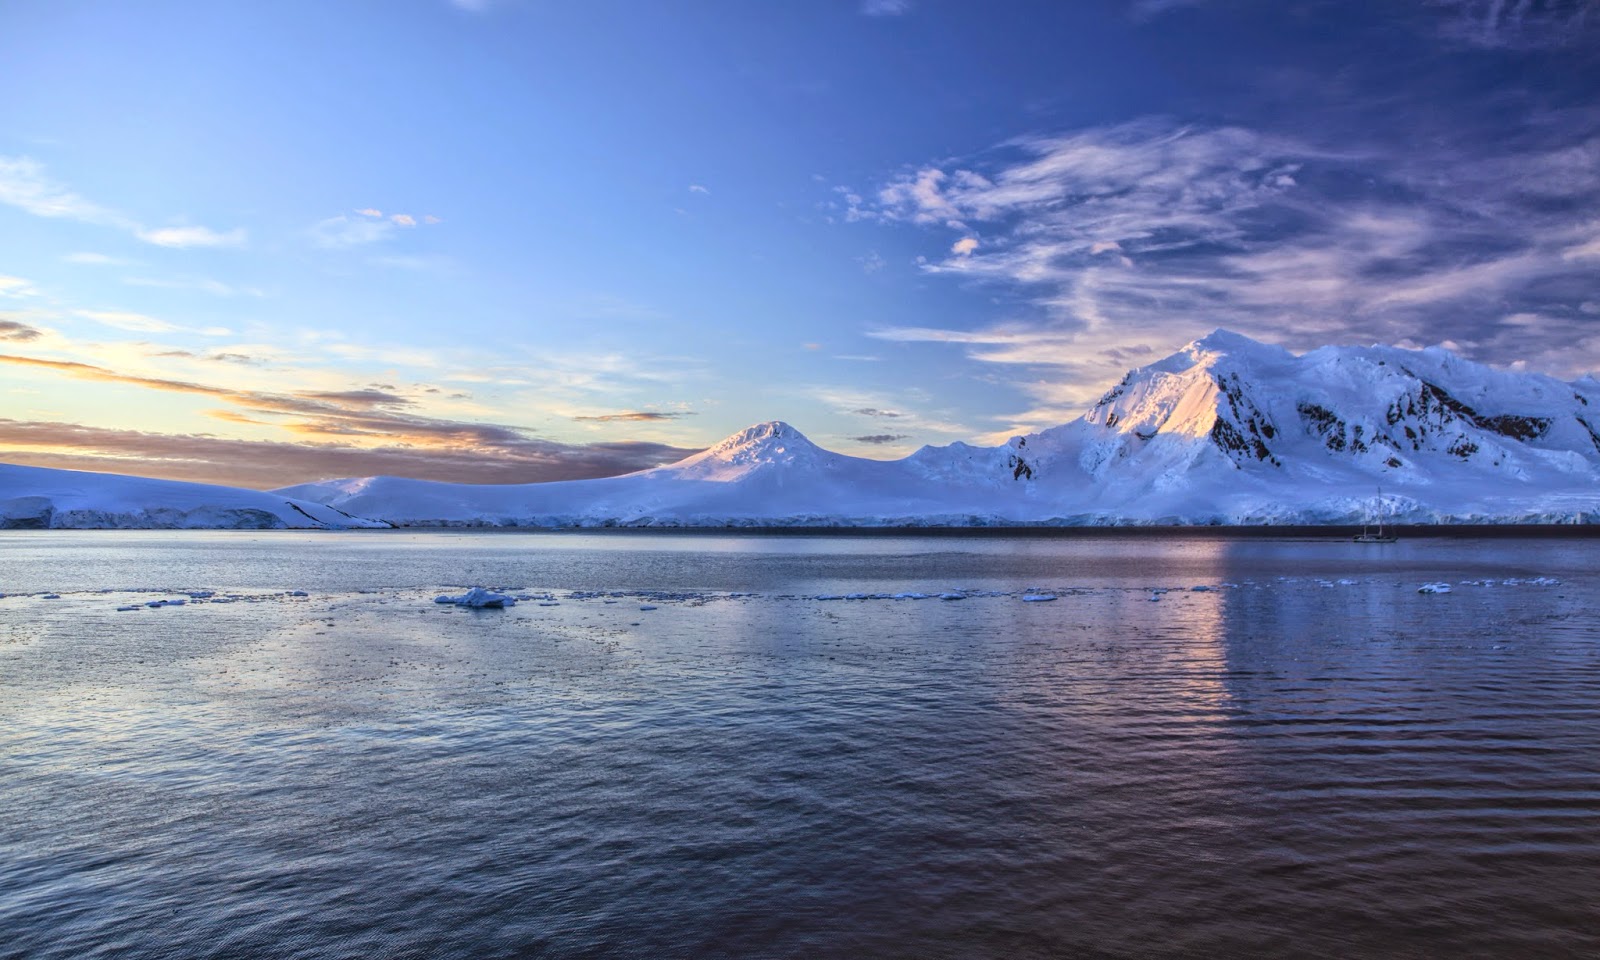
(858, 596)
(1202, 588)
(952, 596)
(200, 594)
(51, 596)
(298, 593)
(1155, 597)
(830, 596)
(911, 596)
(1434, 588)
(1037, 598)
(647, 606)
(1545, 581)
(129, 607)
(548, 603)
(155, 604)
(479, 598)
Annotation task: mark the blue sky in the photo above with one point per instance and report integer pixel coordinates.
(512, 240)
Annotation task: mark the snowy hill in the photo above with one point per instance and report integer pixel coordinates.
(40, 498)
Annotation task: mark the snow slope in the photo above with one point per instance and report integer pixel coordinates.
(41, 498)
(1226, 430)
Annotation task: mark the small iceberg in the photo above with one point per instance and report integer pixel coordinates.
(478, 599)
(1037, 598)
(646, 606)
(1434, 588)
(952, 596)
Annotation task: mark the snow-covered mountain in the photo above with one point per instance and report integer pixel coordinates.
(41, 498)
(1226, 430)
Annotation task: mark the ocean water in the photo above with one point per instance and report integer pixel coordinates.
(1307, 758)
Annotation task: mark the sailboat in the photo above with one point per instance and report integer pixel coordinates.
(1367, 535)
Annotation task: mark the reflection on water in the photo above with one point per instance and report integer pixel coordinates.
(1307, 759)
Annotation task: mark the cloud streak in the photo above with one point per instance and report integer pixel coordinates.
(267, 464)
(635, 416)
(338, 433)
(25, 185)
(17, 332)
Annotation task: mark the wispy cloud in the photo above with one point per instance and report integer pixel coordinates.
(912, 412)
(697, 188)
(1519, 23)
(132, 322)
(25, 185)
(1146, 234)
(367, 226)
(192, 237)
(885, 8)
(878, 439)
(342, 232)
(94, 259)
(1146, 9)
(201, 284)
(16, 287)
(635, 416)
(1506, 24)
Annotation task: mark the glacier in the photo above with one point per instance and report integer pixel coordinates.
(1226, 431)
(45, 498)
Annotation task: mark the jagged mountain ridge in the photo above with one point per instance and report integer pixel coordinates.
(1391, 413)
(1226, 430)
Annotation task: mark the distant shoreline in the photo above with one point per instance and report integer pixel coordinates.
(1332, 532)
(1566, 531)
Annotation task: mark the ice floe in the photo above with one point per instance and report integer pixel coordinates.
(479, 598)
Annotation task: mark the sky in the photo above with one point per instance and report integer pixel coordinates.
(505, 241)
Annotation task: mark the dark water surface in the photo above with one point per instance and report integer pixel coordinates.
(1311, 759)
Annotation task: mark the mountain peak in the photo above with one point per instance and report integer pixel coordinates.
(757, 445)
(1224, 339)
